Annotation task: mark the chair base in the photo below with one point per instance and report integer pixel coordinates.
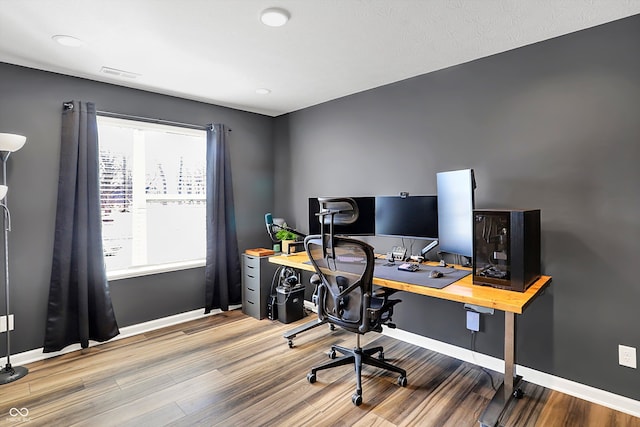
(358, 356)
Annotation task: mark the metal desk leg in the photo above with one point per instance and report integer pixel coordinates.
(495, 408)
(509, 353)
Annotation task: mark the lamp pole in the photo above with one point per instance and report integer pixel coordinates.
(8, 373)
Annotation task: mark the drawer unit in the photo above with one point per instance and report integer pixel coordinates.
(257, 275)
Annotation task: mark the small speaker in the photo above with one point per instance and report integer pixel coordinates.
(506, 248)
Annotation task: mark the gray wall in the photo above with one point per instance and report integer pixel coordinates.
(31, 105)
(553, 126)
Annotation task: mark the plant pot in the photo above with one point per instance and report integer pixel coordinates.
(285, 247)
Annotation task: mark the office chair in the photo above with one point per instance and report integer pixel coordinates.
(345, 297)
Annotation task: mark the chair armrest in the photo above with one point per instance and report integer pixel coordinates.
(321, 294)
(365, 326)
(384, 292)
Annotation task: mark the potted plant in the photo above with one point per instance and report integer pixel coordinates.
(286, 237)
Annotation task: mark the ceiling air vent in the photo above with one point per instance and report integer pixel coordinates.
(119, 73)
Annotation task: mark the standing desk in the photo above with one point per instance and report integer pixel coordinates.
(464, 291)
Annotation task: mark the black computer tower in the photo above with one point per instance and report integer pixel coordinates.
(506, 248)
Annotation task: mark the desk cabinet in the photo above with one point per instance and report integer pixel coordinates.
(257, 274)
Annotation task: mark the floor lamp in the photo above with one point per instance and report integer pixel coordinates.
(8, 144)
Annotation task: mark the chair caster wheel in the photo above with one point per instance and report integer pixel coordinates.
(518, 393)
(381, 355)
(332, 327)
(311, 377)
(402, 381)
(356, 399)
(331, 354)
(290, 343)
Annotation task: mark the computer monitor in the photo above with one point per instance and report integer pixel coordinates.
(364, 226)
(410, 216)
(455, 211)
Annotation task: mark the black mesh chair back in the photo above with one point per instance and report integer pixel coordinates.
(346, 271)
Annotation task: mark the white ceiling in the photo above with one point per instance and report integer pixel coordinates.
(218, 51)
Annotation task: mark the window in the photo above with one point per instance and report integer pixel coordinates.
(152, 196)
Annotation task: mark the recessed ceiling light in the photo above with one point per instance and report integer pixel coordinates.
(274, 17)
(69, 41)
(263, 91)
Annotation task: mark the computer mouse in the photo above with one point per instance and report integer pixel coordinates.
(434, 274)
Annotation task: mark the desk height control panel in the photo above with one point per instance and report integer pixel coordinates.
(257, 274)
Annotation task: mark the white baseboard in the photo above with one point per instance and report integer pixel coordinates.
(572, 388)
(581, 391)
(125, 332)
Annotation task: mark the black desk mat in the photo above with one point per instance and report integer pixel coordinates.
(384, 270)
(420, 277)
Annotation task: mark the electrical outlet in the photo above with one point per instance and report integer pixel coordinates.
(627, 356)
(3, 323)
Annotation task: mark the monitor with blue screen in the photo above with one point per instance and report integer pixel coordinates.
(455, 211)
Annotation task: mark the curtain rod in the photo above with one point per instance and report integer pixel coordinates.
(150, 120)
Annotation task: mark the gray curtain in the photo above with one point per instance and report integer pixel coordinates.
(222, 270)
(79, 306)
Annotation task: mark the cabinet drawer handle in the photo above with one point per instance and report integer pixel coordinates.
(250, 289)
(253, 277)
(250, 302)
(250, 266)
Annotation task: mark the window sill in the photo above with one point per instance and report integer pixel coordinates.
(153, 269)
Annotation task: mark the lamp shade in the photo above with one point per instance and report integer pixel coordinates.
(3, 191)
(11, 142)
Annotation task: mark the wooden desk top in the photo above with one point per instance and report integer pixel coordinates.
(463, 290)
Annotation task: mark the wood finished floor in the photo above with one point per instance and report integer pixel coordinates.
(232, 370)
